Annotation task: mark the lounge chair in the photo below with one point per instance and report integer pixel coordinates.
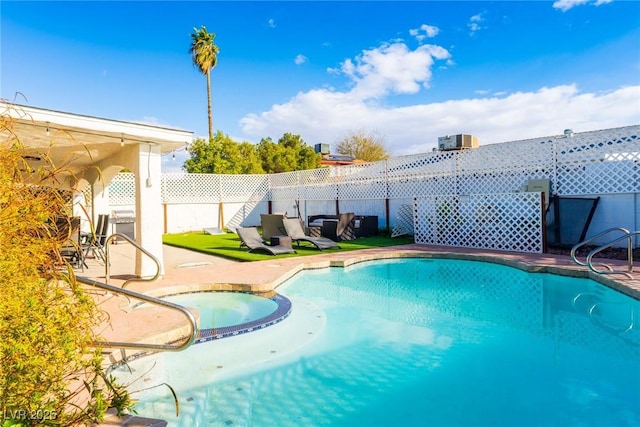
(272, 225)
(250, 238)
(296, 232)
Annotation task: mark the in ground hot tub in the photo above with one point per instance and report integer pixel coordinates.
(224, 314)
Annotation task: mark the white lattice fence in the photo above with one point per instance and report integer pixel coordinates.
(284, 186)
(508, 222)
(244, 188)
(605, 162)
(501, 168)
(362, 190)
(422, 165)
(317, 184)
(190, 188)
(122, 190)
(600, 162)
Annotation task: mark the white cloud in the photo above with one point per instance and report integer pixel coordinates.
(565, 5)
(272, 23)
(325, 116)
(475, 23)
(391, 68)
(300, 59)
(429, 32)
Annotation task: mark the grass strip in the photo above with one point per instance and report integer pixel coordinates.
(227, 245)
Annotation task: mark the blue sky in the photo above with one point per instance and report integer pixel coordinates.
(408, 71)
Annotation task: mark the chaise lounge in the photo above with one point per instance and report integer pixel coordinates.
(250, 238)
(296, 232)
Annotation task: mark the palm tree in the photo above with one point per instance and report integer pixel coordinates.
(204, 53)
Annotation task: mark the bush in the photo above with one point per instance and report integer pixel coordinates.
(50, 374)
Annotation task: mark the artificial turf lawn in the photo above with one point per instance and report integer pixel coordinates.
(228, 245)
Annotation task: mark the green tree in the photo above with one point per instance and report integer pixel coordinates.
(204, 54)
(222, 155)
(363, 145)
(251, 163)
(50, 372)
(289, 154)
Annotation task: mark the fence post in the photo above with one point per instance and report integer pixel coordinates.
(543, 212)
(386, 196)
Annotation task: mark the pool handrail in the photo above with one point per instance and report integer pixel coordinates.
(144, 346)
(627, 237)
(589, 264)
(107, 263)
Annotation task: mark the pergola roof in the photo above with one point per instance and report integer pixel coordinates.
(79, 141)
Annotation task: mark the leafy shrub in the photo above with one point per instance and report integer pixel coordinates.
(50, 374)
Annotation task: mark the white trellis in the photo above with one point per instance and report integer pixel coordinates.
(605, 162)
(508, 222)
(122, 190)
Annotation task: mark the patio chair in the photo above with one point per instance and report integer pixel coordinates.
(296, 232)
(250, 238)
(71, 249)
(272, 225)
(94, 243)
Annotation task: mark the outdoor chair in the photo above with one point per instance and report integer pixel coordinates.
(335, 227)
(294, 230)
(272, 225)
(71, 249)
(94, 243)
(250, 238)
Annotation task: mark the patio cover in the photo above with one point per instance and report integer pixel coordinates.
(91, 151)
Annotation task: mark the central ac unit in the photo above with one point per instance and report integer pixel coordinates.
(457, 142)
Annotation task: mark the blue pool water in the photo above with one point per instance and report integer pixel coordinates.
(419, 342)
(223, 309)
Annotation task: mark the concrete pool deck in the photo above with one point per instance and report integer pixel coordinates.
(192, 271)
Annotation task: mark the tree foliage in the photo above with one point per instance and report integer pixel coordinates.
(289, 154)
(363, 145)
(204, 54)
(50, 374)
(222, 155)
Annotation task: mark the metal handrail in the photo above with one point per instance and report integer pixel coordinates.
(591, 239)
(142, 346)
(610, 244)
(137, 246)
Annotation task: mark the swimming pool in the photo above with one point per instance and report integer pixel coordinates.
(416, 342)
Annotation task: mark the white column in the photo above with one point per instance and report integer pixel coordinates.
(149, 217)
